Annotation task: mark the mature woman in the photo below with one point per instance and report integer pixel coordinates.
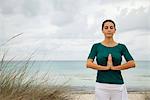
(109, 82)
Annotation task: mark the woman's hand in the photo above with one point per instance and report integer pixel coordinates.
(108, 67)
(92, 65)
(109, 62)
(129, 64)
(113, 67)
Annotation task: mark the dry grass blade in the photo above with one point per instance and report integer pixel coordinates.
(10, 39)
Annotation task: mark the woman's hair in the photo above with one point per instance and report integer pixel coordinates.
(108, 20)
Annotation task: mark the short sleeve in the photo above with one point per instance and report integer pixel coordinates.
(93, 52)
(126, 54)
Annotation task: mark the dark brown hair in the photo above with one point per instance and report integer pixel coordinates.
(108, 20)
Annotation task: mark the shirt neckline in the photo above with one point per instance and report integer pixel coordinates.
(108, 46)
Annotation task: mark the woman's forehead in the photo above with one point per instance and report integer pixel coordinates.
(108, 24)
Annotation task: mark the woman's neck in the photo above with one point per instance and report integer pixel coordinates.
(108, 40)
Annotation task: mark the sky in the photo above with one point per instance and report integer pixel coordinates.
(67, 29)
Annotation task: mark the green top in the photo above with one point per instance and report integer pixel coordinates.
(101, 53)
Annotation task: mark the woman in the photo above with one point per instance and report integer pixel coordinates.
(109, 82)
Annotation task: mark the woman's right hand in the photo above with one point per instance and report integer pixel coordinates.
(108, 67)
(92, 65)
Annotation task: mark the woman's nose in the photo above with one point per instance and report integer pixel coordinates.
(109, 30)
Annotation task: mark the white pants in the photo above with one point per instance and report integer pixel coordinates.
(110, 91)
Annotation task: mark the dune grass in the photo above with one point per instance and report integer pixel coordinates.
(17, 84)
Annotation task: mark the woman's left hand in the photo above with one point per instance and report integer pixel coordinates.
(112, 67)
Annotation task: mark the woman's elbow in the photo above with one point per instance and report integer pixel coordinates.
(87, 65)
(133, 64)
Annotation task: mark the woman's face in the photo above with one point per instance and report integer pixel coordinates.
(108, 29)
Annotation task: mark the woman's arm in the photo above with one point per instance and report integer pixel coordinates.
(129, 64)
(92, 65)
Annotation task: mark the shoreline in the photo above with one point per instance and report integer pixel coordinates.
(79, 93)
(131, 96)
(87, 89)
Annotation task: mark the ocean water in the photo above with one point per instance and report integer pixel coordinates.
(75, 74)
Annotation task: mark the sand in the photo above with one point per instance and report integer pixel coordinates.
(131, 96)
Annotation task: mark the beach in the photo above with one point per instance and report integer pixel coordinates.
(131, 96)
(88, 93)
(76, 80)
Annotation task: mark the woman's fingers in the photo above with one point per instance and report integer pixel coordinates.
(109, 62)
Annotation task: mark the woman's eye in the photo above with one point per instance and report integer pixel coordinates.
(111, 27)
(106, 27)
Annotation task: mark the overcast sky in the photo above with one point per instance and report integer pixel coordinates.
(66, 29)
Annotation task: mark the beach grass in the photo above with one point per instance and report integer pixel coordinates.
(17, 84)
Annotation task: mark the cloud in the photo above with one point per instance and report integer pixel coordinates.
(31, 7)
(134, 19)
(71, 27)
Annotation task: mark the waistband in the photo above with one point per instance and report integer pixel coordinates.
(113, 87)
(119, 87)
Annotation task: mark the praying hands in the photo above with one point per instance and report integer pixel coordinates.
(109, 62)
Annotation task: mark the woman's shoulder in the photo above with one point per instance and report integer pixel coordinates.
(122, 45)
(95, 44)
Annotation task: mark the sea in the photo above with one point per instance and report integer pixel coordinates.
(75, 74)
